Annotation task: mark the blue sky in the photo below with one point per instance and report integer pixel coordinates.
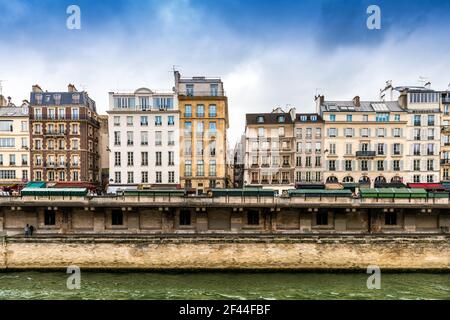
(269, 53)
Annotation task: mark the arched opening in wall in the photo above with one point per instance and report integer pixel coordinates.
(364, 180)
(332, 179)
(397, 179)
(379, 180)
(348, 179)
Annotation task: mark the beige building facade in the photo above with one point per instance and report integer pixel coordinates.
(14, 144)
(365, 142)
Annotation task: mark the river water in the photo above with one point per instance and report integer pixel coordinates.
(223, 285)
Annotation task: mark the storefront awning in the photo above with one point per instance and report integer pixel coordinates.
(427, 186)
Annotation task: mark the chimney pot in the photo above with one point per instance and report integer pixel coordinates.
(357, 101)
(36, 88)
(71, 88)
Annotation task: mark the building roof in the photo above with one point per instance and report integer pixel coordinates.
(14, 111)
(269, 118)
(66, 98)
(365, 106)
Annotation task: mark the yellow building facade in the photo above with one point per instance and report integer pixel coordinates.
(203, 133)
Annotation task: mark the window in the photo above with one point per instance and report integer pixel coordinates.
(380, 149)
(382, 117)
(332, 117)
(199, 147)
(417, 120)
(332, 165)
(144, 176)
(430, 149)
(364, 165)
(416, 149)
(117, 159)
(397, 149)
(158, 177)
(7, 142)
(24, 143)
(130, 159)
(416, 178)
(365, 132)
(144, 138)
(130, 177)
(430, 165)
(280, 119)
(7, 174)
(348, 165)
(348, 148)
(117, 177)
(171, 120)
(75, 114)
(49, 218)
(332, 148)
(188, 168)
(253, 218)
(200, 168)
(281, 131)
(158, 158)
(185, 218)
(396, 165)
(212, 148)
(397, 117)
(158, 121)
(365, 118)
(130, 141)
(212, 110)
(171, 177)
(349, 118)
(163, 103)
(188, 110)
(390, 218)
(430, 178)
(381, 132)
(212, 128)
(332, 132)
(144, 158)
(144, 103)
(431, 120)
(144, 121)
(380, 165)
(171, 157)
(430, 134)
(260, 132)
(416, 165)
(322, 218)
(117, 217)
(212, 168)
(158, 138)
(349, 132)
(117, 138)
(200, 110)
(6, 126)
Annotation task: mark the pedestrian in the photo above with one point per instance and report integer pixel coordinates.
(31, 230)
(27, 230)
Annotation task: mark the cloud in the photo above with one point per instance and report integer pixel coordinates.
(270, 63)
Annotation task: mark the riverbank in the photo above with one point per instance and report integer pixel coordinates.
(227, 252)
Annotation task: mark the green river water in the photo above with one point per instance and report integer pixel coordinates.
(223, 285)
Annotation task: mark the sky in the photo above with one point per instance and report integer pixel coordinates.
(268, 53)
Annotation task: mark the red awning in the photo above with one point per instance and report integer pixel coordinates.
(427, 186)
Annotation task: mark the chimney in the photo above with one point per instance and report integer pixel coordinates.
(357, 101)
(36, 88)
(388, 92)
(2, 101)
(71, 88)
(293, 113)
(428, 85)
(320, 99)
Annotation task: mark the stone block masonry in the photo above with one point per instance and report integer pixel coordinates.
(227, 252)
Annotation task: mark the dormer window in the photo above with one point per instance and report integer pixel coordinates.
(39, 98)
(260, 119)
(57, 98)
(76, 98)
(303, 118)
(280, 118)
(313, 118)
(47, 98)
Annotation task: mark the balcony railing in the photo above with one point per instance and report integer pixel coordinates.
(202, 93)
(446, 100)
(365, 153)
(55, 133)
(72, 117)
(445, 161)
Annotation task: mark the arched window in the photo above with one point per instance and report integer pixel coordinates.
(397, 179)
(348, 179)
(332, 179)
(380, 179)
(364, 180)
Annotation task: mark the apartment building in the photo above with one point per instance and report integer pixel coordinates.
(445, 135)
(143, 139)
(423, 106)
(283, 148)
(203, 126)
(103, 149)
(365, 142)
(14, 143)
(309, 148)
(64, 136)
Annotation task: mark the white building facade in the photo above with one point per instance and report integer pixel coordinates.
(143, 139)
